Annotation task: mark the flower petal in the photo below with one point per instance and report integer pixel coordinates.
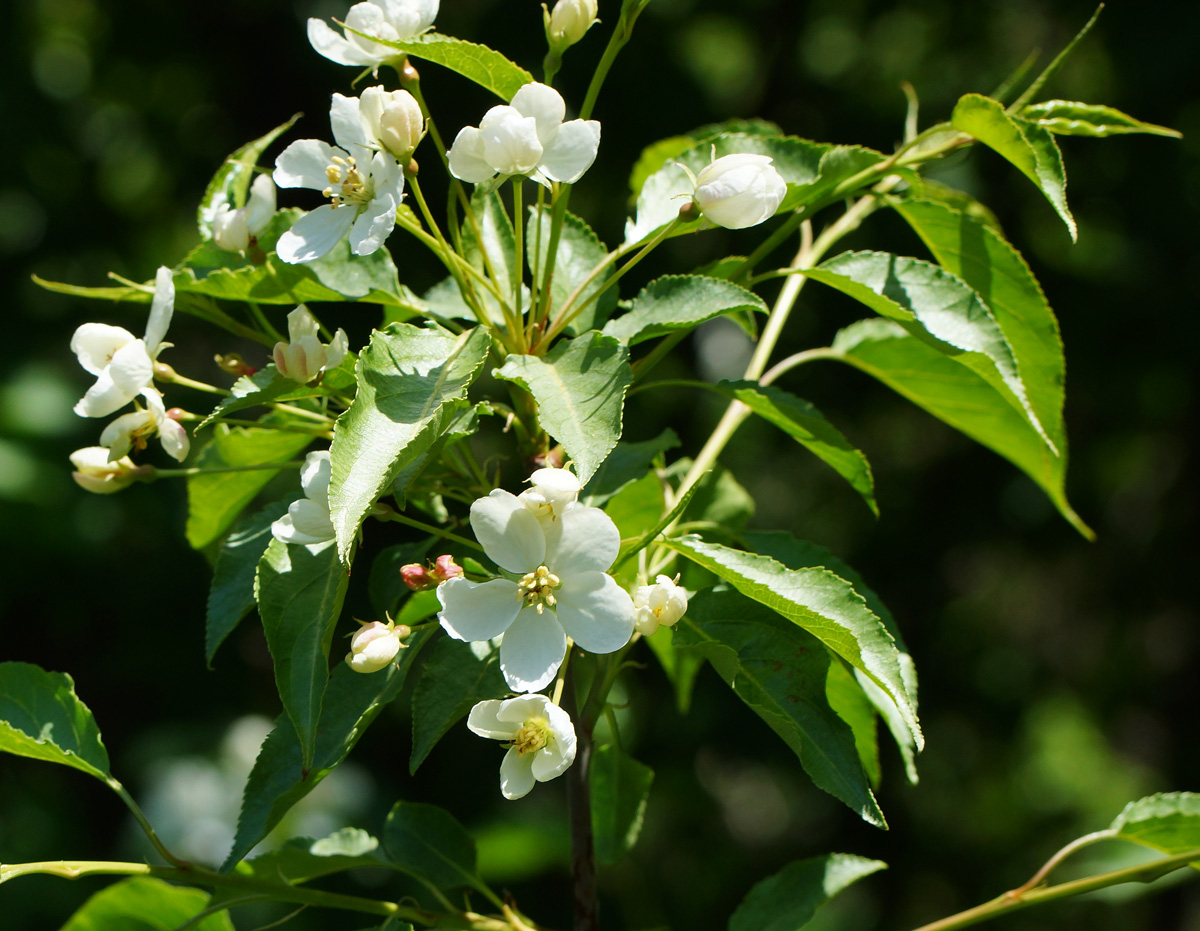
(348, 129)
(160, 311)
(595, 611)
(174, 439)
(467, 160)
(485, 721)
(373, 226)
(96, 343)
(477, 610)
(510, 141)
(548, 763)
(103, 398)
(544, 104)
(314, 477)
(521, 708)
(303, 164)
(572, 150)
(131, 368)
(260, 208)
(325, 41)
(516, 774)
(532, 650)
(510, 535)
(582, 539)
(306, 522)
(118, 435)
(314, 234)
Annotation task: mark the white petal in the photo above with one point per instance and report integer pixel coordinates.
(103, 398)
(260, 208)
(229, 228)
(547, 764)
(532, 650)
(467, 159)
(314, 234)
(595, 611)
(132, 368)
(96, 343)
(516, 774)
(337, 350)
(325, 41)
(369, 17)
(410, 17)
(484, 721)
(348, 129)
(544, 104)
(510, 141)
(301, 322)
(572, 150)
(477, 610)
(314, 477)
(303, 164)
(582, 539)
(174, 439)
(521, 708)
(161, 310)
(373, 226)
(305, 522)
(509, 534)
(118, 435)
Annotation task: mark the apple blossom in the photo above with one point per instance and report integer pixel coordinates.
(234, 228)
(527, 137)
(123, 365)
(305, 356)
(540, 736)
(385, 19)
(737, 191)
(551, 491)
(393, 119)
(664, 602)
(307, 520)
(375, 645)
(568, 22)
(364, 186)
(131, 430)
(95, 472)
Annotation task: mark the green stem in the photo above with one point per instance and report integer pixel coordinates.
(143, 822)
(164, 373)
(1040, 81)
(268, 330)
(383, 512)
(155, 473)
(793, 361)
(518, 219)
(261, 424)
(301, 412)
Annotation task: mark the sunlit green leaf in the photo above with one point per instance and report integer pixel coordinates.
(144, 903)
(301, 859)
(620, 788)
(680, 302)
(490, 245)
(1071, 118)
(454, 677)
(1169, 821)
(41, 717)
(486, 67)
(851, 704)
(579, 252)
(788, 900)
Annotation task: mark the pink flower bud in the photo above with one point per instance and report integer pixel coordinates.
(417, 577)
(444, 567)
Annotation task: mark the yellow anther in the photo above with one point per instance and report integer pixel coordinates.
(532, 735)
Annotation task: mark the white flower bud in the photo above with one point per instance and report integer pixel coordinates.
(394, 119)
(661, 603)
(737, 191)
(95, 473)
(305, 356)
(233, 229)
(551, 490)
(568, 22)
(375, 646)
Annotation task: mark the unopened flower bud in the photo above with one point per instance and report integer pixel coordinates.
(234, 229)
(394, 118)
(417, 577)
(737, 191)
(444, 567)
(375, 645)
(568, 22)
(305, 356)
(661, 603)
(95, 473)
(234, 364)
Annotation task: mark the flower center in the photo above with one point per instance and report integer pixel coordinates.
(346, 183)
(532, 735)
(536, 588)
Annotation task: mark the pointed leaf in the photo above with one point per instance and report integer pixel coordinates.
(267, 386)
(429, 842)
(620, 788)
(146, 904)
(780, 671)
(232, 180)
(788, 900)
(496, 251)
(1029, 146)
(42, 718)
(680, 302)
(301, 859)
(411, 383)
(1169, 821)
(580, 389)
(454, 677)
(579, 252)
(1071, 118)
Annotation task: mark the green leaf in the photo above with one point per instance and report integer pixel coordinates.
(851, 704)
(971, 249)
(627, 463)
(637, 507)
(580, 389)
(486, 67)
(579, 252)
(790, 898)
(214, 501)
(146, 904)
(819, 601)
(302, 859)
(279, 779)
(496, 250)
(808, 427)
(231, 593)
(232, 180)
(1027, 145)
(454, 677)
(779, 671)
(42, 718)
(1071, 118)
(300, 590)
(961, 201)
(385, 586)
(680, 302)
(411, 383)
(267, 386)
(929, 301)
(620, 787)
(958, 395)
(428, 841)
(1169, 822)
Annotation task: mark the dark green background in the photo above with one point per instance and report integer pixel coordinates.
(1058, 678)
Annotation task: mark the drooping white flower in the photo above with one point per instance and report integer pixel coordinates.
(375, 645)
(307, 520)
(737, 191)
(96, 473)
(134, 429)
(305, 356)
(385, 19)
(540, 736)
(563, 588)
(123, 365)
(233, 228)
(393, 119)
(568, 22)
(664, 602)
(364, 186)
(550, 491)
(526, 137)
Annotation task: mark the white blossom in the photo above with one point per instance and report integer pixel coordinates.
(526, 137)
(305, 357)
(540, 736)
(737, 191)
(123, 365)
(568, 22)
(375, 645)
(562, 588)
(95, 472)
(550, 491)
(233, 228)
(133, 429)
(385, 19)
(307, 520)
(364, 187)
(664, 602)
(393, 119)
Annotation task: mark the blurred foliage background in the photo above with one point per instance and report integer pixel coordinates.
(1059, 678)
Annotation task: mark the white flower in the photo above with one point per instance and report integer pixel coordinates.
(307, 520)
(393, 119)
(568, 22)
(232, 229)
(563, 589)
(375, 645)
(305, 357)
(527, 137)
(737, 191)
(384, 19)
(552, 490)
(95, 472)
(661, 603)
(540, 735)
(123, 365)
(132, 430)
(364, 186)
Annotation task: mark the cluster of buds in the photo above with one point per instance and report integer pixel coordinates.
(422, 578)
(376, 644)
